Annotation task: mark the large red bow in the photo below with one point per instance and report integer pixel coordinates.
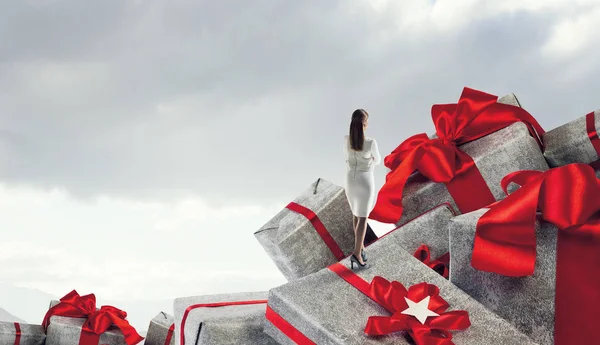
(440, 265)
(476, 114)
(435, 331)
(98, 321)
(505, 241)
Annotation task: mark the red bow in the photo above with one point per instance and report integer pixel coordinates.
(98, 321)
(476, 114)
(440, 265)
(435, 331)
(505, 241)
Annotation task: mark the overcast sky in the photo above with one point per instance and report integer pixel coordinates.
(143, 142)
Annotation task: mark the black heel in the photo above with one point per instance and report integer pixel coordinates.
(354, 260)
(363, 255)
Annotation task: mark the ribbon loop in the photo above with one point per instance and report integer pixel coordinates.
(440, 265)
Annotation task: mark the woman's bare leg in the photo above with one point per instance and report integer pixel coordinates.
(354, 223)
(359, 238)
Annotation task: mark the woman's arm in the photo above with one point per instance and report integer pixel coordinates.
(346, 149)
(375, 153)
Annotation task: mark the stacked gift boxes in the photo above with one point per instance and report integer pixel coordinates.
(484, 149)
(497, 242)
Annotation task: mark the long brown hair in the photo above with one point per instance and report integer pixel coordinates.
(357, 132)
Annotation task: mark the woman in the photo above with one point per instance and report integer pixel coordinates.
(362, 155)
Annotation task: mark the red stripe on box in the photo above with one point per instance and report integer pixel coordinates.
(319, 227)
(211, 305)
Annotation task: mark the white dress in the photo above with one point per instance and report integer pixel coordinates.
(360, 181)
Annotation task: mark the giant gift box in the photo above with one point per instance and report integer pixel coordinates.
(225, 319)
(340, 306)
(312, 232)
(478, 141)
(534, 257)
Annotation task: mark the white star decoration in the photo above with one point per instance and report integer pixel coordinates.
(419, 310)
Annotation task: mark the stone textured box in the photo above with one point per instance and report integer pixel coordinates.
(570, 143)
(210, 322)
(29, 334)
(161, 327)
(526, 302)
(496, 155)
(328, 310)
(67, 330)
(292, 241)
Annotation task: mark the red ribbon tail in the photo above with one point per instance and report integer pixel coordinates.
(452, 320)
(382, 325)
(131, 335)
(388, 207)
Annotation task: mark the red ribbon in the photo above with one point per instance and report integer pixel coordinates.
(286, 328)
(476, 115)
(435, 331)
(505, 241)
(98, 321)
(170, 334)
(17, 333)
(319, 227)
(590, 124)
(210, 305)
(440, 265)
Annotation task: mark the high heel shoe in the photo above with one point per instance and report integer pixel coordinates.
(354, 260)
(363, 255)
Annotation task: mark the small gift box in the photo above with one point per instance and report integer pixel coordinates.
(221, 319)
(312, 232)
(478, 141)
(339, 306)
(541, 275)
(75, 320)
(21, 334)
(160, 330)
(574, 142)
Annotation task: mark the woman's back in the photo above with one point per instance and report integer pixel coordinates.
(362, 160)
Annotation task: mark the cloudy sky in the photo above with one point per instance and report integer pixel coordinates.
(143, 142)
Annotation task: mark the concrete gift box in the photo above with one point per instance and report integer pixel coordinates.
(496, 155)
(526, 302)
(216, 319)
(294, 244)
(328, 310)
(67, 330)
(26, 334)
(161, 328)
(570, 143)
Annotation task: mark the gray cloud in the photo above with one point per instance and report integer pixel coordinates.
(239, 100)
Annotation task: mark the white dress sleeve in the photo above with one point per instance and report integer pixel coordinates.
(346, 149)
(375, 153)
